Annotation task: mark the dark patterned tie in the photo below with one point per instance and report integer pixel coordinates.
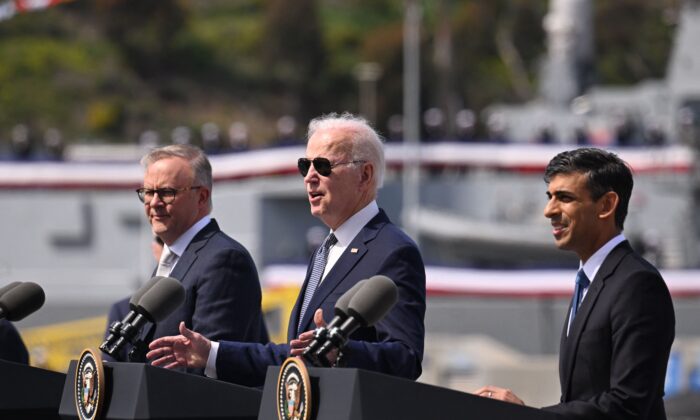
(319, 266)
(582, 283)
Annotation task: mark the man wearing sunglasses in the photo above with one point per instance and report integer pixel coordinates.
(221, 283)
(343, 169)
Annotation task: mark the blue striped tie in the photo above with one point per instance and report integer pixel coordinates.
(320, 259)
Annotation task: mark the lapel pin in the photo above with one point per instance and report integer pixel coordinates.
(353, 250)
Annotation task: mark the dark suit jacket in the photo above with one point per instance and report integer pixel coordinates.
(613, 363)
(222, 291)
(11, 345)
(393, 346)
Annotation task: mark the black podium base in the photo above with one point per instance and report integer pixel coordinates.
(355, 394)
(27, 392)
(140, 391)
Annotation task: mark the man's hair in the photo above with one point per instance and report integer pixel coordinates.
(604, 172)
(194, 155)
(366, 144)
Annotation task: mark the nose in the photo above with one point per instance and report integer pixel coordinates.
(155, 201)
(311, 175)
(550, 208)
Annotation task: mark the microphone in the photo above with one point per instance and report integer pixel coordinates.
(116, 326)
(155, 304)
(20, 299)
(341, 314)
(371, 302)
(7, 287)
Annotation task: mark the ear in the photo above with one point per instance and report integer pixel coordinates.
(607, 205)
(203, 197)
(367, 173)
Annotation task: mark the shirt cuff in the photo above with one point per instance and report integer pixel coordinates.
(210, 369)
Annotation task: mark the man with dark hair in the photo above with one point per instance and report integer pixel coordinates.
(620, 326)
(222, 290)
(343, 169)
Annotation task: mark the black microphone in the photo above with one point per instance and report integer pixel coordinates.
(341, 314)
(374, 299)
(20, 300)
(166, 295)
(7, 287)
(116, 326)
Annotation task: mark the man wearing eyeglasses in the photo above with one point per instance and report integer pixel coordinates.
(221, 283)
(343, 169)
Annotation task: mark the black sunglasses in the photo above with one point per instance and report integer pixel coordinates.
(323, 166)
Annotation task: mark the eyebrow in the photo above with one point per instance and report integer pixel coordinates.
(559, 193)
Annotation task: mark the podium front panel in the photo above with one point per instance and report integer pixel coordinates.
(141, 391)
(356, 394)
(29, 392)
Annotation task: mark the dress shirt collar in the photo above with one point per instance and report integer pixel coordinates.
(593, 264)
(180, 245)
(348, 230)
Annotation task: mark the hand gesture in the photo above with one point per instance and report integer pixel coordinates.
(189, 350)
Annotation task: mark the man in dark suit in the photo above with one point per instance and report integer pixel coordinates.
(223, 293)
(343, 168)
(12, 347)
(618, 333)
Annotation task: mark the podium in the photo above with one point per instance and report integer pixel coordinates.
(141, 391)
(27, 392)
(356, 394)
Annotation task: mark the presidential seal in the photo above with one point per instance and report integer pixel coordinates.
(293, 391)
(89, 385)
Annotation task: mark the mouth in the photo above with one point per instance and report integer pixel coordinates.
(158, 217)
(558, 229)
(315, 196)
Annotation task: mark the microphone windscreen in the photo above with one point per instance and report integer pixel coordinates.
(343, 302)
(22, 300)
(162, 299)
(7, 287)
(136, 297)
(373, 300)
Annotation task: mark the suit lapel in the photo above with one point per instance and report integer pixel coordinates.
(347, 261)
(190, 255)
(569, 345)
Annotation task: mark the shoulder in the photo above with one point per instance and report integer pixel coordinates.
(218, 243)
(387, 233)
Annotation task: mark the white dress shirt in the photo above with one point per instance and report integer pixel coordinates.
(180, 245)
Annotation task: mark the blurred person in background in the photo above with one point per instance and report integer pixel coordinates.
(620, 326)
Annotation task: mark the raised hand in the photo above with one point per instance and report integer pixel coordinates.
(189, 349)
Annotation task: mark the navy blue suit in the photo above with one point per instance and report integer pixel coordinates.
(613, 363)
(393, 346)
(222, 291)
(11, 345)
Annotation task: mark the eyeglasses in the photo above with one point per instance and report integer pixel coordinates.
(167, 195)
(323, 166)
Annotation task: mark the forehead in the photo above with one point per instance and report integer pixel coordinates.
(170, 172)
(330, 142)
(575, 182)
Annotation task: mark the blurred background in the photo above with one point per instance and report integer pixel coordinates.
(473, 97)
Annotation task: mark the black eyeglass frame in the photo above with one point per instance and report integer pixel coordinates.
(323, 166)
(166, 195)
